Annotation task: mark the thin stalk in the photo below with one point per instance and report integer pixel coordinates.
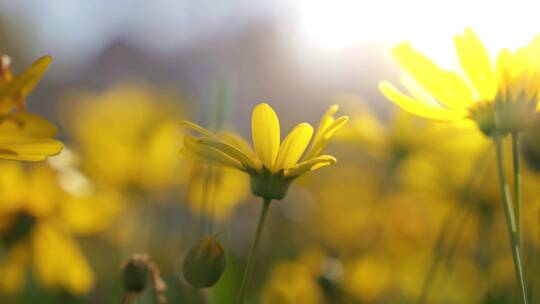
(211, 197)
(510, 220)
(204, 204)
(517, 184)
(253, 250)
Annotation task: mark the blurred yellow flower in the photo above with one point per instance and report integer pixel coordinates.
(272, 164)
(135, 127)
(292, 283)
(23, 136)
(38, 222)
(368, 278)
(499, 98)
(393, 140)
(220, 188)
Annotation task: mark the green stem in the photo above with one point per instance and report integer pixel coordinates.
(253, 250)
(517, 184)
(510, 220)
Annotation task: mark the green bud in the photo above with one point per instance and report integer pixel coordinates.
(204, 263)
(270, 185)
(135, 273)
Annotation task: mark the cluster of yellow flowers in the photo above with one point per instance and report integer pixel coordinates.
(418, 162)
(377, 224)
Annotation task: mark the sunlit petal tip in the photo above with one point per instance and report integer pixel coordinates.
(263, 105)
(311, 164)
(332, 110)
(469, 32)
(44, 60)
(402, 46)
(343, 119)
(304, 125)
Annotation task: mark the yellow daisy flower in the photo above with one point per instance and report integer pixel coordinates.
(39, 222)
(499, 96)
(273, 163)
(23, 136)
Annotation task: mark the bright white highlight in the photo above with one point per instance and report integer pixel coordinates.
(429, 25)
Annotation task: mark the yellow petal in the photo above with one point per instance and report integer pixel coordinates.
(25, 82)
(326, 120)
(476, 64)
(417, 91)
(239, 143)
(327, 134)
(414, 107)
(533, 49)
(311, 164)
(293, 146)
(12, 268)
(59, 261)
(26, 123)
(534, 45)
(195, 127)
(512, 72)
(447, 87)
(209, 154)
(228, 150)
(266, 134)
(28, 148)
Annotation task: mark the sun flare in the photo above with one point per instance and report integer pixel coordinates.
(337, 24)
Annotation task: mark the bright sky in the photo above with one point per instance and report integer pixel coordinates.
(79, 28)
(430, 25)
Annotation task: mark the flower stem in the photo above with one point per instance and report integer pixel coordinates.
(253, 250)
(510, 220)
(517, 184)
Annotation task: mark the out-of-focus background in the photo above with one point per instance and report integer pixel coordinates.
(409, 202)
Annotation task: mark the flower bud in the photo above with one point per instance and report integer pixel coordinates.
(204, 263)
(135, 273)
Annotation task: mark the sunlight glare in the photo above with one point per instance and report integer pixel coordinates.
(429, 25)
